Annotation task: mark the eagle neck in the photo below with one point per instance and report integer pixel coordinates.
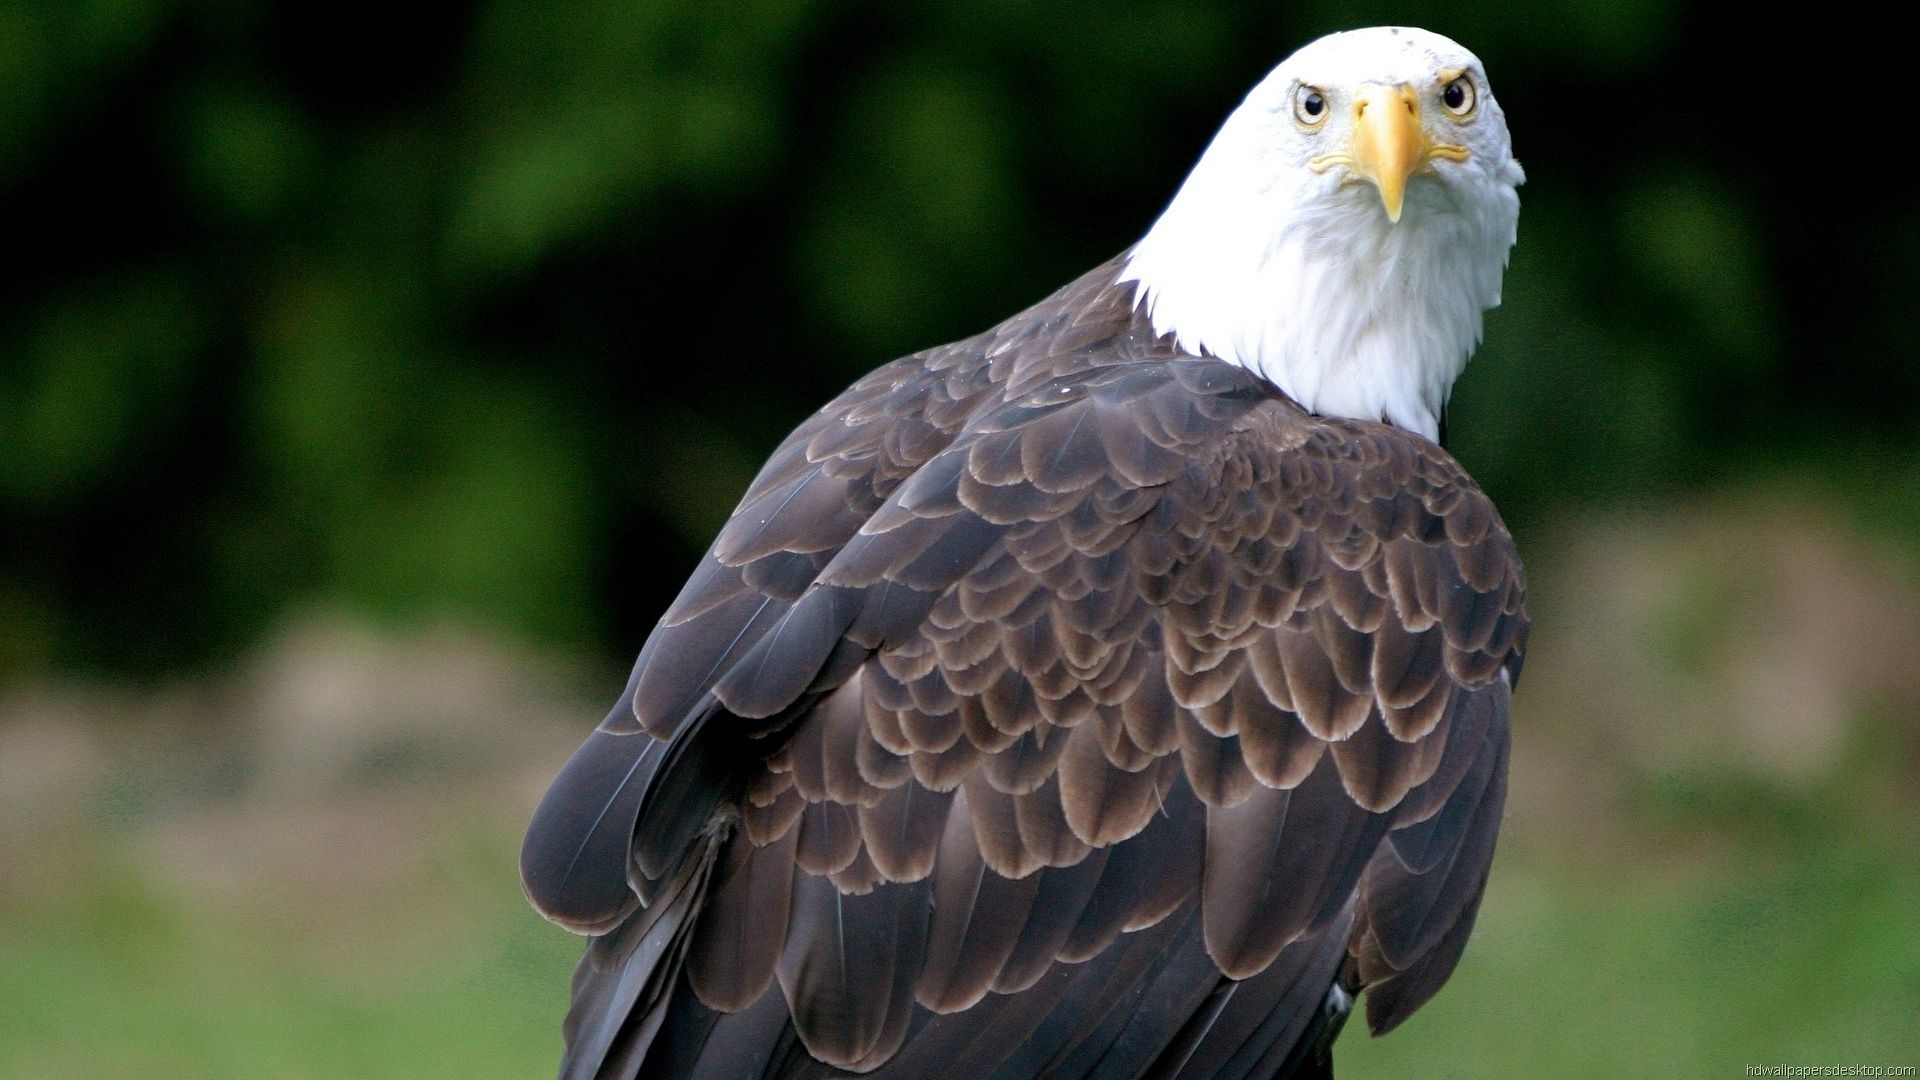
(1312, 288)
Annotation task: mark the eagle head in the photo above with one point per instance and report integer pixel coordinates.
(1347, 229)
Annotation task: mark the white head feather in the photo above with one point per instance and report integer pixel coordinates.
(1290, 268)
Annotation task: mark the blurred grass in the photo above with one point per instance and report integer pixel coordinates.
(318, 880)
(304, 867)
(109, 974)
(1746, 948)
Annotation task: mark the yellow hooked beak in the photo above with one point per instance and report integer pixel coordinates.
(1388, 143)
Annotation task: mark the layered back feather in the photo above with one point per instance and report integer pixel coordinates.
(1056, 703)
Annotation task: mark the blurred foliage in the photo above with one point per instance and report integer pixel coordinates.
(491, 310)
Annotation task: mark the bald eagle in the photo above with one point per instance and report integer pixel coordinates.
(1119, 692)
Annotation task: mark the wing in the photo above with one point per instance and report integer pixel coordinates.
(826, 480)
(1009, 694)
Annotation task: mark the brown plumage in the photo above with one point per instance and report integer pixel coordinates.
(1055, 703)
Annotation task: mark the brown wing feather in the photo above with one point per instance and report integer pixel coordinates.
(1024, 642)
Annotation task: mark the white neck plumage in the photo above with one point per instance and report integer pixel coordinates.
(1304, 281)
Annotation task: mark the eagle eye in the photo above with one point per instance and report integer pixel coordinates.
(1460, 97)
(1309, 105)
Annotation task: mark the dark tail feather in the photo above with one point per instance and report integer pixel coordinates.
(1312, 1057)
(752, 1044)
(621, 988)
(1276, 1023)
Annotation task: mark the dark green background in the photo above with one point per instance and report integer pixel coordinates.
(495, 307)
(372, 374)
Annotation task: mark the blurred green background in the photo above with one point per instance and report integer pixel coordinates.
(370, 379)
